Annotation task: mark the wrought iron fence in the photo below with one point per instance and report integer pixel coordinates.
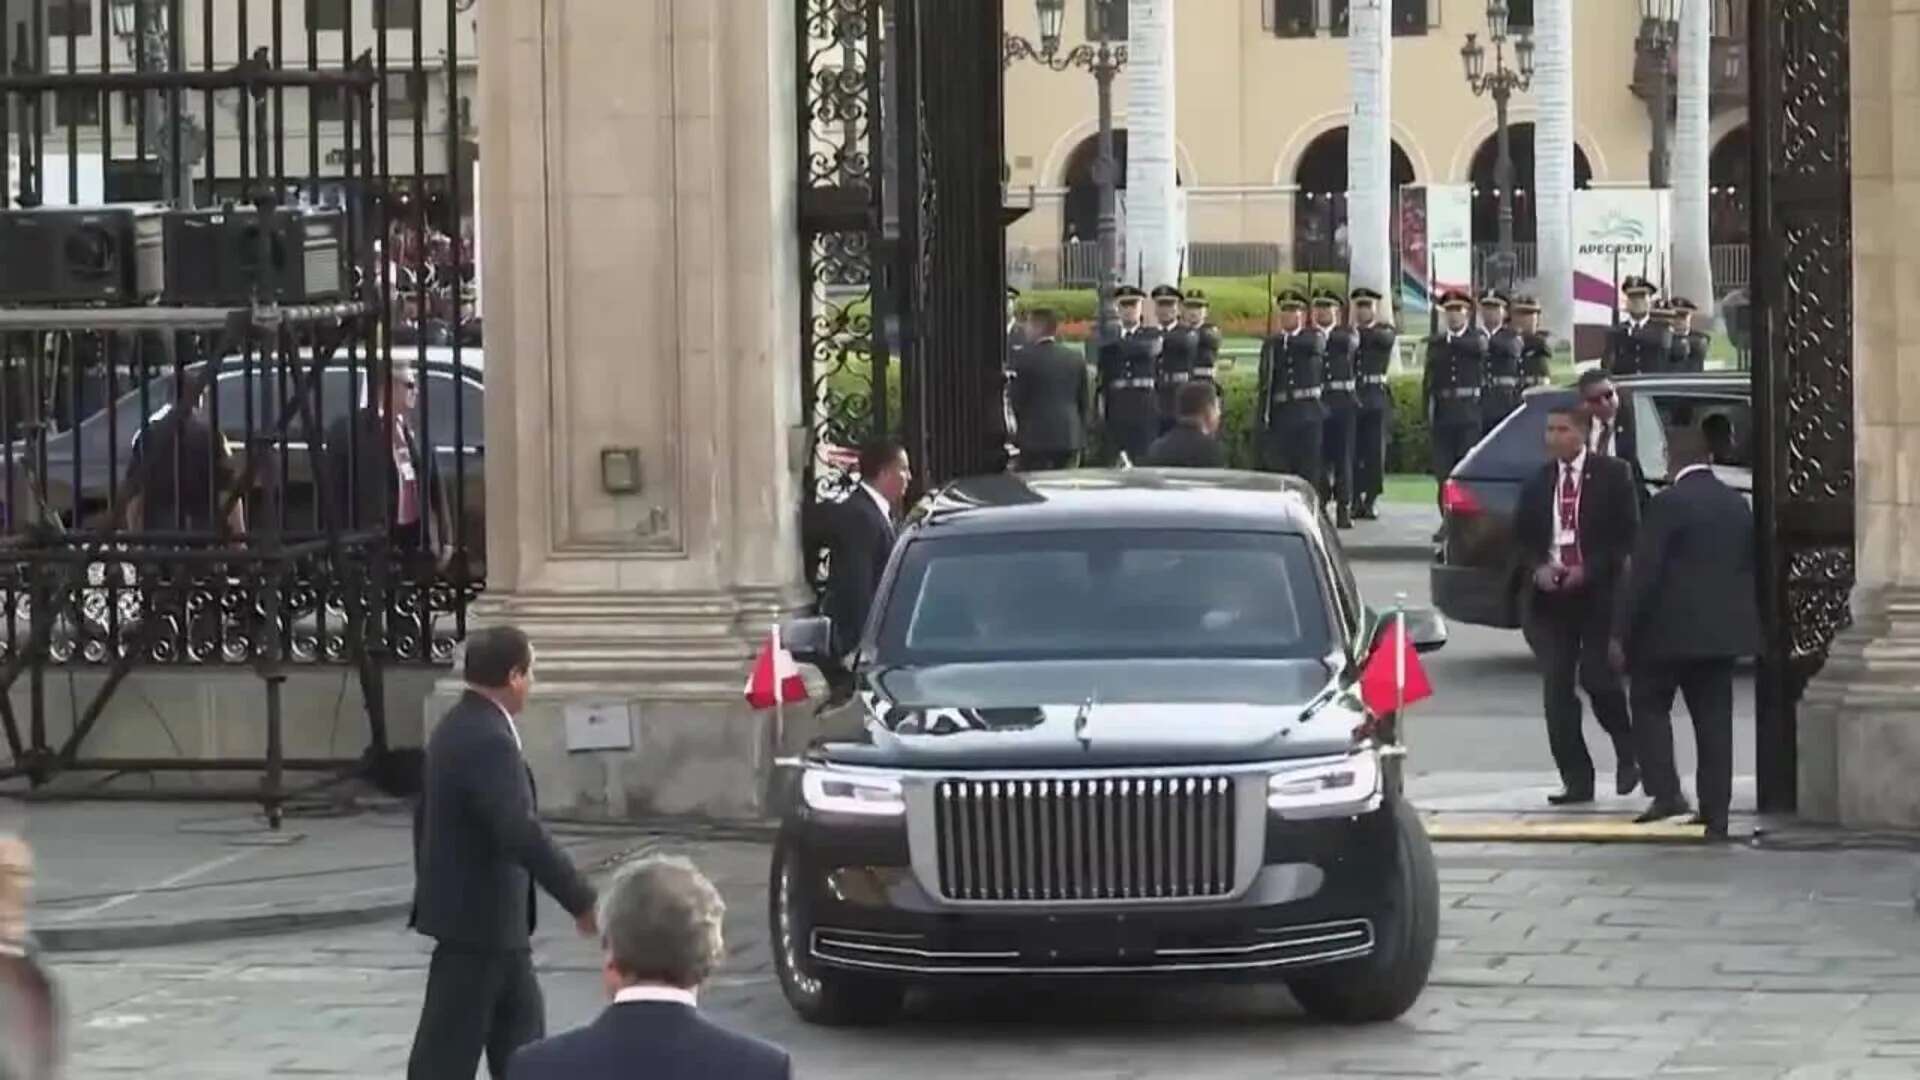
(257, 477)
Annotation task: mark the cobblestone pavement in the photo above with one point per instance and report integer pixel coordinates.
(1556, 961)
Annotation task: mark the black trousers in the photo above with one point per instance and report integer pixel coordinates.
(477, 1001)
(1568, 635)
(1707, 686)
(1337, 446)
(1370, 452)
(1450, 442)
(1294, 448)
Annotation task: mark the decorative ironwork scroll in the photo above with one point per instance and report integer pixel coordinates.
(1803, 362)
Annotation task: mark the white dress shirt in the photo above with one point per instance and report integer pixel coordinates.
(511, 726)
(886, 508)
(1605, 437)
(669, 994)
(1684, 473)
(1578, 466)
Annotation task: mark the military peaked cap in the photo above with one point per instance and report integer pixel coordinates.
(1165, 292)
(1195, 298)
(1681, 303)
(1635, 285)
(1128, 292)
(1326, 298)
(1525, 305)
(1291, 298)
(1364, 293)
(1493, 298)
(1455, 298)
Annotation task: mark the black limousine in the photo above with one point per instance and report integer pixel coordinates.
(1106, 725)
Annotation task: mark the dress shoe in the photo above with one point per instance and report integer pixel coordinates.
(1662, 810)
(1570, 798)
(1626, 777)
(1365, 511)
(1345, 518)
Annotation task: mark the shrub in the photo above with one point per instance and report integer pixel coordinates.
(1238, 305)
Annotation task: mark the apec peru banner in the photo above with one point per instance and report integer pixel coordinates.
(1436, 246)
(1617, 233)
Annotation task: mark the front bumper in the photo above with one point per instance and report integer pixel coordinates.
(1316, 899)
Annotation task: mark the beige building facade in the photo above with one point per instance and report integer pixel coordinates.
(1263, 102)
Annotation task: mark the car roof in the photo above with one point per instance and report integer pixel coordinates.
(1205, 499)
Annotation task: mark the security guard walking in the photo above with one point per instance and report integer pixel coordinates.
(1343, 408)
(1639, 342)
(1376, 341)
(1128, 408)
(1452, 383)
(1503, 379)
(1536, 345)
(1179, 344)
(1206, 336)
(1690, 345)
(1292, 382)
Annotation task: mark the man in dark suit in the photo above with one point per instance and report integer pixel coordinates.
(660, 933)
(1575, 526)
(1687, 613)
(479, 849)
(1193, 443)
(858, 533)
(1051, 397)
(392, 483)
(181, 470)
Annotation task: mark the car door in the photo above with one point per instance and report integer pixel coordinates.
(1725, 419)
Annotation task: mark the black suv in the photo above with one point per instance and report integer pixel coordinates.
(1106, 726)
(1476, 575)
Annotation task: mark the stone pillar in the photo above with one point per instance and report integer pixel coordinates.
(1153, 236)
(642, 269)
(1553, 173)
(1370, 201)
(1693, 145)
(1859, 732)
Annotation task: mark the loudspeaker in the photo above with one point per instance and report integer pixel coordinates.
(214, 256)
(68, 255)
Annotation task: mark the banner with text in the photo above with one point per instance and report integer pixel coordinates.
(1618, 233)
(1436, 246)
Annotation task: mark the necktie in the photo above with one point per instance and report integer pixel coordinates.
(1606, 438)
(1569, 518)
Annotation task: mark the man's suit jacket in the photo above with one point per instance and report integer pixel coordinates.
(1609, 514)
(1051, 399)
(1691, 592)
(478, 844)
(859, 536)
(653, 1039)
(374, 502)
(1187, 447)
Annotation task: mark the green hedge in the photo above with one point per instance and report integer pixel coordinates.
(1230, 300)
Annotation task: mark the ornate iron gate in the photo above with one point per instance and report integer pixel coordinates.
(903, 278)
(1803, 357)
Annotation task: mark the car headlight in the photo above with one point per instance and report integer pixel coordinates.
(867, 794)
(1327, 787)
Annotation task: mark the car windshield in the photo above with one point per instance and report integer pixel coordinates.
(1105, 595)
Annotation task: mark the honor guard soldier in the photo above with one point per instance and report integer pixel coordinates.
(1206, 350)
(1690, 345)
(1016, 340)
(1292, 382)
(1343, 406)
(1503, 380)
(1178, 345)
(1127, 401)
(1536, 345)
(1639, 342)
(1452, 383)
(1376, 342)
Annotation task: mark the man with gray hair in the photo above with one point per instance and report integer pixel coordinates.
(660, 932)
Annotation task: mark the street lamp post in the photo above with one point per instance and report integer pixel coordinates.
(1105, 60)
(1659, 31)
(1501, 84)
(144, 26)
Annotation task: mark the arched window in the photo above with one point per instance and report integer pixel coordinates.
(1486, 198)
(1320, 201)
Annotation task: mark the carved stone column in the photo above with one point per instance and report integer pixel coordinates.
(642, 306)
(1859, 732)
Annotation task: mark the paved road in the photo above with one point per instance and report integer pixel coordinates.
(1556, 961)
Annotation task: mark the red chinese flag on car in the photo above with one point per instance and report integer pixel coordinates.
(775, 679)
(1393, 678)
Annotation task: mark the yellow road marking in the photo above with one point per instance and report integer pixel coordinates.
(1622, 831)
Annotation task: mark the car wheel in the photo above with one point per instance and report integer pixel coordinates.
(1386, 983)
(831, 999)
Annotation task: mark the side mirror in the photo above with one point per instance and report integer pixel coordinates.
(1427, 629)
(809, 639)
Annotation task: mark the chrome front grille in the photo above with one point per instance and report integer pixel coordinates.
(1116, 838)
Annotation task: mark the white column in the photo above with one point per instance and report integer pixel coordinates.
(1692, 253)
(1370, 147)
(1553, 161)
(1152, 233)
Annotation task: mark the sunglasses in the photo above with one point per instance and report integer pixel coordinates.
(1604, 395)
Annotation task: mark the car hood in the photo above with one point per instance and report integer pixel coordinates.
(1094, 714)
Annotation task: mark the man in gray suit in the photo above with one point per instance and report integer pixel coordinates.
(479, 849)
(1687, 614)
(1051, 400)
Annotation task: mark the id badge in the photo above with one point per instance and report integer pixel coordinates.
(406, 472)
(1564, 536)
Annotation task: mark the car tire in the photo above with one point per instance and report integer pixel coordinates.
(830, 999)
(1384, 984)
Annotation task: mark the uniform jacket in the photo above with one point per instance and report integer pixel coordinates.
(1292, 364)
(1645, 349)
(1690, 594)
(1609, 514)
(1127, 371)
(1206, 350)
(1342, 367)
(1689, 351)
(1051, 402)
(1502, 373)
(1179, 349)
(657, 1040)
(478, 846)
(1454, 364)
(1373, 360)
(1536, 358)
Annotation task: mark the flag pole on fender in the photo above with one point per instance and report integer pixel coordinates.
(779, 699)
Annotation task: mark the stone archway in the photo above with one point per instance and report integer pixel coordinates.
(1080, 214)
(1486, 193)
(1320, 200)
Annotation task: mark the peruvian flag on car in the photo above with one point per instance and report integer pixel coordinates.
(775, 679)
